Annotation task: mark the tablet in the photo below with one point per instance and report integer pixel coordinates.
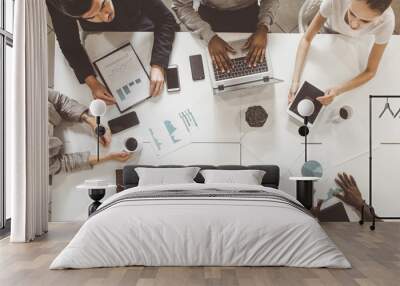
(125, 77)
(307, 91)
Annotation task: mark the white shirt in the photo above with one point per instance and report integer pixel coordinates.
(335, 12)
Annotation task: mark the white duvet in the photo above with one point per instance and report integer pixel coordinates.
(200, 231)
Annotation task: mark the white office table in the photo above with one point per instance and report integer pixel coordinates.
(225, 137)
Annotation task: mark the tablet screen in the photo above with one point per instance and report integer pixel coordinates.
(308, 91)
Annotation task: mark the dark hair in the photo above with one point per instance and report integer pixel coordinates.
(74, 8)
(379, 5)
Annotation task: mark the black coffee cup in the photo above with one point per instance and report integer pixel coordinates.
(131, 145)
(343, 113)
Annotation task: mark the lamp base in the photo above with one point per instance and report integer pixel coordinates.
(304, 193)
(304, 130)
(96, 195)
(100, 130)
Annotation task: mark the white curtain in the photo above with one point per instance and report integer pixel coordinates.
(27, 142)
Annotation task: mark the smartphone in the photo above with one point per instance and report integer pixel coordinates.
(173, 78)
(196, 65)
(123, 122)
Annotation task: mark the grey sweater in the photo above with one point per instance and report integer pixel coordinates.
(192, 20)
(63, 108)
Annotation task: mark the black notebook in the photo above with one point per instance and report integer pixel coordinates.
(307, 91)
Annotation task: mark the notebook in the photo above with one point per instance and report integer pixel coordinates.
(307, 91)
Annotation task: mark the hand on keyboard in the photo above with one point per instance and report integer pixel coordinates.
(219, 49)
(256, 45)
(240, 68)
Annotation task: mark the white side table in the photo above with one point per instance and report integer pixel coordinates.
(304, 190)
(96, 190)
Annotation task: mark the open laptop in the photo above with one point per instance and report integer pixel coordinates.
(241, 75)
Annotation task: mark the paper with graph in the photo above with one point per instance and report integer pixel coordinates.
(124, 75)
(173, 131)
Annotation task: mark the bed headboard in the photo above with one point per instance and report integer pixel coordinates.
(128, 178)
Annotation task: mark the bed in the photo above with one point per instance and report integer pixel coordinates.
(201, 224)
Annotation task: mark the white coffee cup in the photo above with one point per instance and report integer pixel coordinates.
(342, 114)
(132, 145)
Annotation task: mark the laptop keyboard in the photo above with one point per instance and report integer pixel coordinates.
(240, 68)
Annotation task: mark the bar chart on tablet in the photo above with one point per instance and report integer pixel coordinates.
(124, 75)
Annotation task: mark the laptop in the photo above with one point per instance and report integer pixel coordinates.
(241, 75)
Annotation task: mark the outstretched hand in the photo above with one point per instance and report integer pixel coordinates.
(119, 156)
(351, 194)
(317, 209)
(219, 50)
(329, 96)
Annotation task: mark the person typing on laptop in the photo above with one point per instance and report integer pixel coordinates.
(112, 15)
(353, 18)
(244, 16)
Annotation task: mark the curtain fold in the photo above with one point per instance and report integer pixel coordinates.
(28, 143)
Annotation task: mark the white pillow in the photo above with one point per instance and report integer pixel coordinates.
(166, 176)
(247, 177)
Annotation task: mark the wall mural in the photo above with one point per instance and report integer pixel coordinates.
(341, 189)
(207, 116)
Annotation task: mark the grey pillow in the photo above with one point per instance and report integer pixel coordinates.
(166, 176)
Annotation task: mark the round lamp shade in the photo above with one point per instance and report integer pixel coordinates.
(98, 107)
(305, 107)
(312, 169)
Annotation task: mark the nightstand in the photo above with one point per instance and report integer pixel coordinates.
(96, 190)
(304, 190)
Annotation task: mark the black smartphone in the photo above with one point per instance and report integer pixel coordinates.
(173, 78)
(123, 122)
(196, 65)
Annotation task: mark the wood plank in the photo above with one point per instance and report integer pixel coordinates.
(375, 257)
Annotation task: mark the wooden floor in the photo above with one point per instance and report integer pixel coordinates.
(375, 257)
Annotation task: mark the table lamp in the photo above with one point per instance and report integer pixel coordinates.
(305, 109)
(98, 108)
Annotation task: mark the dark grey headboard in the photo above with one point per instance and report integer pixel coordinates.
(130, 178)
